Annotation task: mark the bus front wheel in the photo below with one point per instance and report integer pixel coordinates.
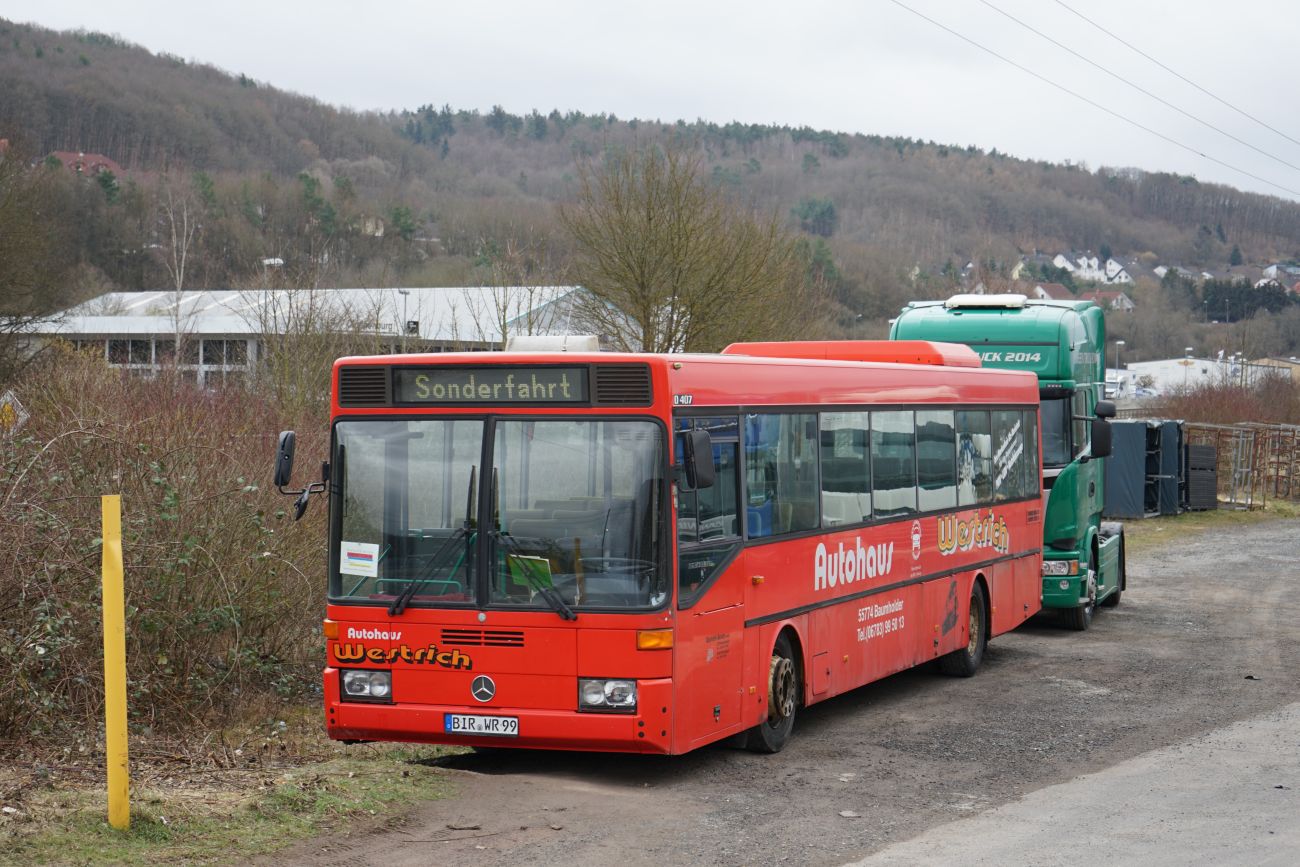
(965, 660)
(771, 734)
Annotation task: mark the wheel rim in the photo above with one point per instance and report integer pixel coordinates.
(974, 630)
(782, 690)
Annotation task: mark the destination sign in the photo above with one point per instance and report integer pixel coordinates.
(491, 385)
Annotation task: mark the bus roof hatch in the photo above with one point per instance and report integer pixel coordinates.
(892, 351)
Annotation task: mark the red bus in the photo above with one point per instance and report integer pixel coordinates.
(649, 553)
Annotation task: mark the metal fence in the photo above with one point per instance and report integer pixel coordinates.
(1255, 461)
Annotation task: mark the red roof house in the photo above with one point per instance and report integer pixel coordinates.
(86, 164)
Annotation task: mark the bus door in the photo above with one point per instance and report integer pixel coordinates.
(709, 656)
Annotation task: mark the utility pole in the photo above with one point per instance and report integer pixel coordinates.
(404, 293)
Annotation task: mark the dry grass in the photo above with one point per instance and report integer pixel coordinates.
(1155, 532)
(247, 790)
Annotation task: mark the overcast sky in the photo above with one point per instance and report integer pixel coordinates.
(868, 67)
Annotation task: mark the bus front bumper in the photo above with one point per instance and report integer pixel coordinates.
(647, 730)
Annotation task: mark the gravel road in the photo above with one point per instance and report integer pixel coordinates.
(1206, 635)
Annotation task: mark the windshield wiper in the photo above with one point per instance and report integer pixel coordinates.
(549, 594)
(404, 598)
(435, 560)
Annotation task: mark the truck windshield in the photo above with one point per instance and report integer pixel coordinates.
(1056, 432)
(567, 514)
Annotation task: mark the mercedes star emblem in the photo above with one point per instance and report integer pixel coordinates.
(483, 688)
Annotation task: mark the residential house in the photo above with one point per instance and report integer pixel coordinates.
(1161, 270)
(85, 164)
(1052, 292)
(1030, 265)
(1113, 299)
(1090, 268)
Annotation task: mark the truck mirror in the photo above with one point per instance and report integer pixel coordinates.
(1105, 409)
(284, 458)
(1100, 438)
(700, 472)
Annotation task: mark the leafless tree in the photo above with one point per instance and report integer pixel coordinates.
(179, 223)
(179, 214)
(30, 272)
(672, 264)
(522, 297)
(301, 332)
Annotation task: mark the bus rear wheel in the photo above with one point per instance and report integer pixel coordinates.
(771, 734)
(964, 661)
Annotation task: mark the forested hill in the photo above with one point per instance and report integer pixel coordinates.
(85, 91)
(884, 205)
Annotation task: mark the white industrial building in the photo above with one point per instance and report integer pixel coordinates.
(1152, 378)
(220, 332)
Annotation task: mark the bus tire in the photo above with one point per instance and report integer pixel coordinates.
(783, 691)
(1112, 601)
(964, 661)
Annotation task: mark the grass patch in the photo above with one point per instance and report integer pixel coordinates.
(1153, 532)
(213, 815)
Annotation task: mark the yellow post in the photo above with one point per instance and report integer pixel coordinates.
(119, 805)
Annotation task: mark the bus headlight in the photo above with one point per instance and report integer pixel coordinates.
(365, 685)
(607, 695)
(1060, 567)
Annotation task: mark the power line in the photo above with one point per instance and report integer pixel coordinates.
(1095, 104)
(1178, 75)
(1139, 88)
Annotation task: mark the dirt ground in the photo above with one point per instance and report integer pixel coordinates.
(1206, 635)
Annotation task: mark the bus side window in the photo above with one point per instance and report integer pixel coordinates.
(974, 458)
(1033, 476)
(713, 512)
(708, 532)
(781, 473)
(1008, 454)
(845, 470)
(936, 460)
(893, 463)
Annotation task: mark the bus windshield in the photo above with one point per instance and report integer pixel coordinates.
(566, 516)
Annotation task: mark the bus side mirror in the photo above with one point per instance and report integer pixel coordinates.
(1100, 437)
(1105, 409)
(284, 458)
(700, 472)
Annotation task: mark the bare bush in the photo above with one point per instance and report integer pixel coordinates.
(1273, 400)
(223, 599)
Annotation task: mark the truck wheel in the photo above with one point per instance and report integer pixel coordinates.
(771, 734)
(964, 661)
(1112, 600)
(1080, 618)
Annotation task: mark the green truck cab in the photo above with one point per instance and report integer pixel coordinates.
(1062, 342)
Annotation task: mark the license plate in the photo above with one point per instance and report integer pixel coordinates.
(465, 724)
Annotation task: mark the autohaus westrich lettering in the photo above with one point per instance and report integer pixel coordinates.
(461, 385)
